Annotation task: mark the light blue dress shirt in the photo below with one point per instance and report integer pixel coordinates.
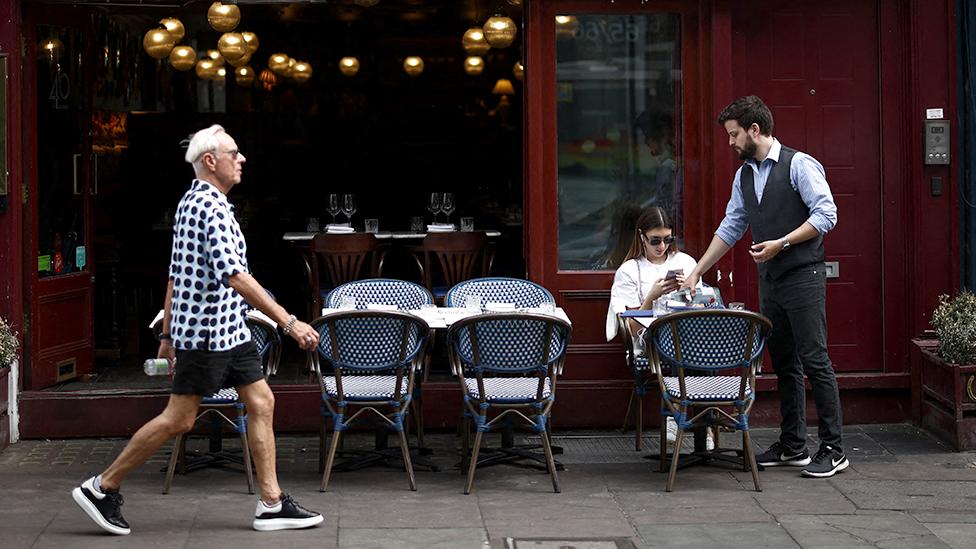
(806, 177)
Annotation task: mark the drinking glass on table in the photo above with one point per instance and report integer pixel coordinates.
(472, 301)
(347, 303)
(547, 308)
(467, 224)
(348, 207)
(333, 207)
(416, 224)
(448, 205)
(372, 225)
(434, 205)
(312, 225)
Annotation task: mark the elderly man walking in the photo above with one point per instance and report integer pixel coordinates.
(204, 332)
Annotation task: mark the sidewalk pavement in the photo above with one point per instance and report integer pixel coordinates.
(903, 489)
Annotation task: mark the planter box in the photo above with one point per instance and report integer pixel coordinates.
(946, 397)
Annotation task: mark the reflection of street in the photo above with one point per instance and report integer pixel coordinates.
(589, 208)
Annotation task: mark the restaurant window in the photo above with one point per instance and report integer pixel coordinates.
(618, 97)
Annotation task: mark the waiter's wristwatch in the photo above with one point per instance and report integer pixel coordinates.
(785, 242)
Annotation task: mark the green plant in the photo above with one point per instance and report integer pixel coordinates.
(8, 343)
(954, 321)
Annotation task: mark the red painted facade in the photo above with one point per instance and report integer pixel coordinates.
(919, 233)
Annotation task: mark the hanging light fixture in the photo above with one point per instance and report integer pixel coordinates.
(515, 2)
(244, 76)
(240, 62)
(214, 55)
(251, 40)
(158, 42)
(231, 45)
(301, 72)
(182, 58)
(206, 69)
(413, 65)
(268, 79)
(566, 26)
(474, 65)
(518, 71)
(278, 62)
(366, 3)
(474, 42)
(500, 30)
(223, 17)
(220, 74)
(290, 69)
(349, 66)
(175, 27)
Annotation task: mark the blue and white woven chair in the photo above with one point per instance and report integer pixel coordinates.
(507, 365)
(521, 293)
(726, 343)
(406, 296)
(374, 356)
(218, 407)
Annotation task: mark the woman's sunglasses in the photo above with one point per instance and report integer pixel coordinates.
(657, 241)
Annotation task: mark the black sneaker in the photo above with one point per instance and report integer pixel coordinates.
(826, 463)
(290, 516)
(777, 454)
(102, 507)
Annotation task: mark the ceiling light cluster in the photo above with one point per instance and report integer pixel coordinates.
(233, 48)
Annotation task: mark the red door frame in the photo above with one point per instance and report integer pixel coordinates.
(64, 287)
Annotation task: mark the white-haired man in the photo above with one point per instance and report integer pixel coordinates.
(204, 333)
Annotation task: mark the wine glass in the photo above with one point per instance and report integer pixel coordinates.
(348, 207)
(334, 208)
(434, 206)
(447, 206)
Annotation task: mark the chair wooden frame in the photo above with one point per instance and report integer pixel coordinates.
(342, 257)
(674, 328)
(405, 368)
(458, 255)
(534, 412)
(643, 379)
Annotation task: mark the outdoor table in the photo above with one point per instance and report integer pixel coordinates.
(302, 237)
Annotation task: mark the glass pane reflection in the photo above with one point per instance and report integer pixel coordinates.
(618, 101)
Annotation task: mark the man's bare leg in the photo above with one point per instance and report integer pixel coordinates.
(260, 402)
(100, 499)
(178, 417)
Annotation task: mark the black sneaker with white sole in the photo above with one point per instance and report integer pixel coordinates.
(826, 463)
(105, 508)
(287, 515)
(777, 454)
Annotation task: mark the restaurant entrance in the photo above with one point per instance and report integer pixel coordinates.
(59, 330)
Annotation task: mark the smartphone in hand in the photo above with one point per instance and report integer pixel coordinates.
(673, 273)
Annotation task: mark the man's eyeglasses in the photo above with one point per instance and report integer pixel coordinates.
(657, 241)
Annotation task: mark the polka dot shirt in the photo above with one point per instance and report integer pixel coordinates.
(208, 248)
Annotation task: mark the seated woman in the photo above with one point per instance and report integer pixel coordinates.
(641, 280)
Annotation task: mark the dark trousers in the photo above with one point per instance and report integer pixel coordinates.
(796, 304)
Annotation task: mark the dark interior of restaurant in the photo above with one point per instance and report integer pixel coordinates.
(388, 137)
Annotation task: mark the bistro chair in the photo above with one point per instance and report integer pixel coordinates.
(374, 356)
(519, 292)
(507, 365)
(725, 343)
(226, 407)
(340, 258)
(406, 296)
(460, 256)
(644, 381)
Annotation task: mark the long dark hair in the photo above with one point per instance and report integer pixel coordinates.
(654, 217)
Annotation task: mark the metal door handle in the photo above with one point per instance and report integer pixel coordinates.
(74, 179)
(833, 269)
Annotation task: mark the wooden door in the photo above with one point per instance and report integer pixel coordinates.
(61, 345)
(816, 65)
(608, 117)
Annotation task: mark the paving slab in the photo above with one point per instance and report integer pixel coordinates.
(887, 529)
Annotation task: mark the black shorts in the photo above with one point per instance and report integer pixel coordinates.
(206, 372)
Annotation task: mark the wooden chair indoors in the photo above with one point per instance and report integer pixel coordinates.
(459, 255)
(342, 258)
